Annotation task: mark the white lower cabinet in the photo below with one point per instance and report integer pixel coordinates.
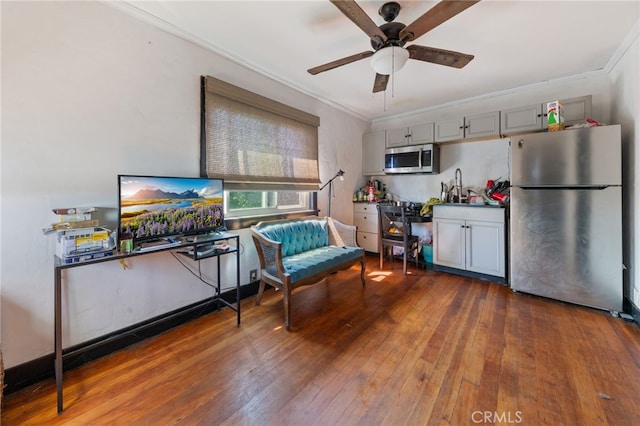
(470, 239)
(365, 218)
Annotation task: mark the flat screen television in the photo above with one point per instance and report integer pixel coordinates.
(153, 207)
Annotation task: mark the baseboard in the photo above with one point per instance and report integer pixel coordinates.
(630, 308)
(469, 274)
(34, 371)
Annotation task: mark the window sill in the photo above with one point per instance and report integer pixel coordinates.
(234, 223)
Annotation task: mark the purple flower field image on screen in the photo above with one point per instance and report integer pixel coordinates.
(154, 207)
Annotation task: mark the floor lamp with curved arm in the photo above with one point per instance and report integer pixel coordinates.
(340, 175)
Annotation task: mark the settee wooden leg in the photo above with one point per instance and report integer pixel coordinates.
(260, 291)
(287, 306)
(362, 269)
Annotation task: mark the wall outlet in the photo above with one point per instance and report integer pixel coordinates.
(253, 275)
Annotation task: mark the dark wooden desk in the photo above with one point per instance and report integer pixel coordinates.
(418, 219)
(199, 241)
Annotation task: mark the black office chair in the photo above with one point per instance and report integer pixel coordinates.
(395, 231)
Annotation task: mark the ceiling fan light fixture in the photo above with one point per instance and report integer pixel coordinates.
(389, 60)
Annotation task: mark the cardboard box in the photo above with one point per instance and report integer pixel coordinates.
(75, 242)
(71, 218)
(555, 116)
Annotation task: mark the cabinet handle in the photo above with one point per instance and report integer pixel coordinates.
(365, 218)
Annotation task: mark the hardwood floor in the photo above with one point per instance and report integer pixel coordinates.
(428, 348)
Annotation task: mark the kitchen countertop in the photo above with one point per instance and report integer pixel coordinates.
(413, 218)
(471, 205)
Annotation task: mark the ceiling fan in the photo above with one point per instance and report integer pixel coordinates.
(388, 39)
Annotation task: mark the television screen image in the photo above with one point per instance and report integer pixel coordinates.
(152, 207)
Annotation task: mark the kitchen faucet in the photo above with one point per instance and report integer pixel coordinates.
(457, 194)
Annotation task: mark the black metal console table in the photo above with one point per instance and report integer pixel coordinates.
(186, 243)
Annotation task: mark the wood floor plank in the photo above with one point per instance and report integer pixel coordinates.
(426, 348)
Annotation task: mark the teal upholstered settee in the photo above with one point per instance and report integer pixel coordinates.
(298, 252)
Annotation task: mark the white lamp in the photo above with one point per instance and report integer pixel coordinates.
(389, 60)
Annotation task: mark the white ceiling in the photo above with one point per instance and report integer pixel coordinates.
(515, 42)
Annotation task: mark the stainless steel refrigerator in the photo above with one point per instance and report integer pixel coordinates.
(566, 216)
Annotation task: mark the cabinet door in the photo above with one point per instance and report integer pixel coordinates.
(397, 137)
(449, 130)
(521, 119)
(485, 248)
(482, 125)
(421, 134)
(575, 110)
(449, 243)
(373, 153)
(368, 241)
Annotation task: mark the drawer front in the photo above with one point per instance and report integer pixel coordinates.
(366, 222)
(370, 208)
(368, 241)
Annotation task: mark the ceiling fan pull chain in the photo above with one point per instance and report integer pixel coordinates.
(385, 100)
(393, 72)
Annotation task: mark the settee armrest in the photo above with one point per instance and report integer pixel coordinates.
(270, 255)
(341, 234)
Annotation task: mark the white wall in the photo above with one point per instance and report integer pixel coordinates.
(89, 92)
(625, 94)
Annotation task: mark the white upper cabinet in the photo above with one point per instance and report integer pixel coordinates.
(449, 130)
(521, 119)
(473, 126)
(373, 153)
(414, 135)
(482, 125)
(575, 110)
(534, 117)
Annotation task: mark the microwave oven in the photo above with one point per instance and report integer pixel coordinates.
(412, 159)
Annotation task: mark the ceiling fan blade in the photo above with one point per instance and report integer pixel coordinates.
(448, 58)
(380, 83)
(433, 17)
(353, 11)
(339, 62)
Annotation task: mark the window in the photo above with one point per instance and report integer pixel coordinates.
(257, 203)
(266, 152)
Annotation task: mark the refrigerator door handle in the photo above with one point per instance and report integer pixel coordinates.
(556, 187)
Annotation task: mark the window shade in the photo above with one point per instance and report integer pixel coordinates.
(253, 142)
